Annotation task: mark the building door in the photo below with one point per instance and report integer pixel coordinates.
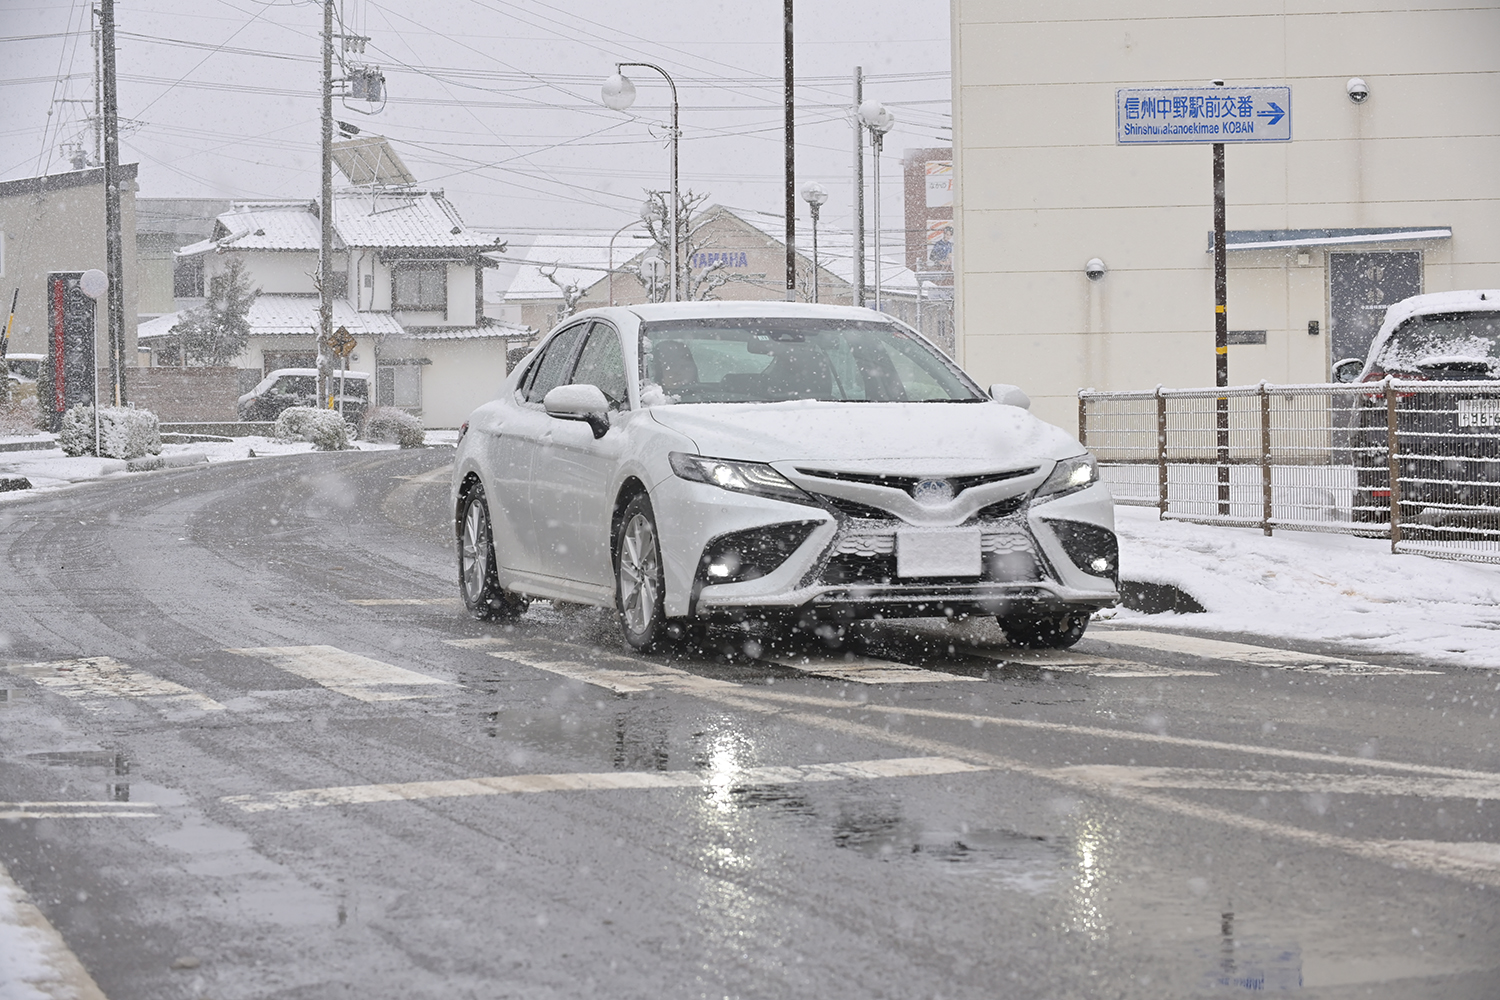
(1360, 288)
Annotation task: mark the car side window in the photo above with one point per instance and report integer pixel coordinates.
(548, 371)
(601, 363)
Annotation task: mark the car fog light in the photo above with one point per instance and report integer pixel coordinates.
(725, 566)
(1100, 565)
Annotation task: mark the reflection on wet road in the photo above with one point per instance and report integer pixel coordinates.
(278, 752)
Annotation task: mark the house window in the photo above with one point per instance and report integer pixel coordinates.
(187, 277)
(421, 287)
(399, 385)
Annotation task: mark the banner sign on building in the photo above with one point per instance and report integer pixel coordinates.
(928, 203)
(70, 344)
(1156, 115)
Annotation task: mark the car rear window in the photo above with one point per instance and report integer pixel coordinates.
(1444, 340)
(767, 359)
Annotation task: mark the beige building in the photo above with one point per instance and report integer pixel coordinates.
(56, 223)
(1368, 202)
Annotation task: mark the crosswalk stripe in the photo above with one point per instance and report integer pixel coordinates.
(93, 680)
(632, 677)
(1265, 782)
(350, 674)
(607, 781)
(1063, 661)
(380, 602)
(863, 669)
(77, 810)
(1240, 652)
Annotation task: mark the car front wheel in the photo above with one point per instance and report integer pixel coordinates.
(638, 577)
(1045, 629)
(477, 579)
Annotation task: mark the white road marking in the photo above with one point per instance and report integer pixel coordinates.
(631, 677)
(351, 674)
(92, 680)
(53, 971)
(1240, 652)
(1264, 782)
(607, 781)
(864, 669)
(77, 810)
(1066, 662)
(380, 602)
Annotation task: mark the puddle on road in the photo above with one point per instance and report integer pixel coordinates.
(1023, 862)
(114, 763)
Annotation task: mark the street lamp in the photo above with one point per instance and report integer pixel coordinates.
(814, 194)
(878, 119)
(618, 94)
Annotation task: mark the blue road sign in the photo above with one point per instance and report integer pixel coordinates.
(1153, 115)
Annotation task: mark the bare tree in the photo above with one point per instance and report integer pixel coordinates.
(571, 291)
(694, 283)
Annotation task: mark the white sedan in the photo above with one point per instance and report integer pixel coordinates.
(737, 461)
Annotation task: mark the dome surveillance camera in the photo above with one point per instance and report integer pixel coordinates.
(1358, 91)
(1094, 269)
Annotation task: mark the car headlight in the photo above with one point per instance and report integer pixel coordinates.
(755, 478)
(1069, 476)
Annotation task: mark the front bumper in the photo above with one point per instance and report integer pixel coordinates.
(845, 568)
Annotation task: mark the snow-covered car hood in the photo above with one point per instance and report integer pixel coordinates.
(946, 438)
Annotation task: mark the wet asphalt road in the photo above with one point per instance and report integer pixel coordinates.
(221, 801)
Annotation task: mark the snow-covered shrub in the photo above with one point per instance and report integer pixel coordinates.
(124, 432)
(324, 428)
(388, 425)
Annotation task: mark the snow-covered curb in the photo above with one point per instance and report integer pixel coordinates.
(51, 469)
(35, 963)
(1316, 587)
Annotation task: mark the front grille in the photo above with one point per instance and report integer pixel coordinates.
(853, 508)
(1001, 508)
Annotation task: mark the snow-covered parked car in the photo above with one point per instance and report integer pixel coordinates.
(797, 463)
(1448, 443)
(287, 387)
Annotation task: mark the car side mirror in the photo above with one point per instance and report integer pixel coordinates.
(1348, 369)
(1010, 395)
(579, 402)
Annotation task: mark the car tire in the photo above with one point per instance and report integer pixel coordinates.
(1045, 630)
(639, 582)
(478, 582)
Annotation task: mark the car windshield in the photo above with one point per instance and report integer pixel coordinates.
(771, 359)
(1444, 339)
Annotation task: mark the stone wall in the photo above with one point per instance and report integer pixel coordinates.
(184, 394)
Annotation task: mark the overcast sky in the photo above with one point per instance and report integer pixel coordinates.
(496, 102)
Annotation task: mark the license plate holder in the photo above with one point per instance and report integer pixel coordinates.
(939, 553)
(1483, 412)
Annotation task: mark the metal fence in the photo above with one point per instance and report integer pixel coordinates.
(1415, 462)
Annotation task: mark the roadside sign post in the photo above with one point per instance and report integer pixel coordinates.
(342, 343)
(1153, 116)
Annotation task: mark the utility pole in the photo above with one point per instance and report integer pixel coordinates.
(325, 248)
(859, 189)
(113, 254)
(98, 121)
(1221, 325)
(791, 158)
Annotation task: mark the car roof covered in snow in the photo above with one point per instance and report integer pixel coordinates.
(1431, 304)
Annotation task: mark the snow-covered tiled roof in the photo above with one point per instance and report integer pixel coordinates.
(581, 259)
(411, 220)
(295, 314)
(418, 219)
(493, 331)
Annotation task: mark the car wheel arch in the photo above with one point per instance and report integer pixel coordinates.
(628, 491)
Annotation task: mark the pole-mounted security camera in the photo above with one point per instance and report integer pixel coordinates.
(1094, 269)
(1359, 92)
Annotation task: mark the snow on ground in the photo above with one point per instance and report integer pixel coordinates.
(1303, 585)
(50, 469)
(25, 972)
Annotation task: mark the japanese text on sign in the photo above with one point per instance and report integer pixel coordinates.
(1203, 114)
